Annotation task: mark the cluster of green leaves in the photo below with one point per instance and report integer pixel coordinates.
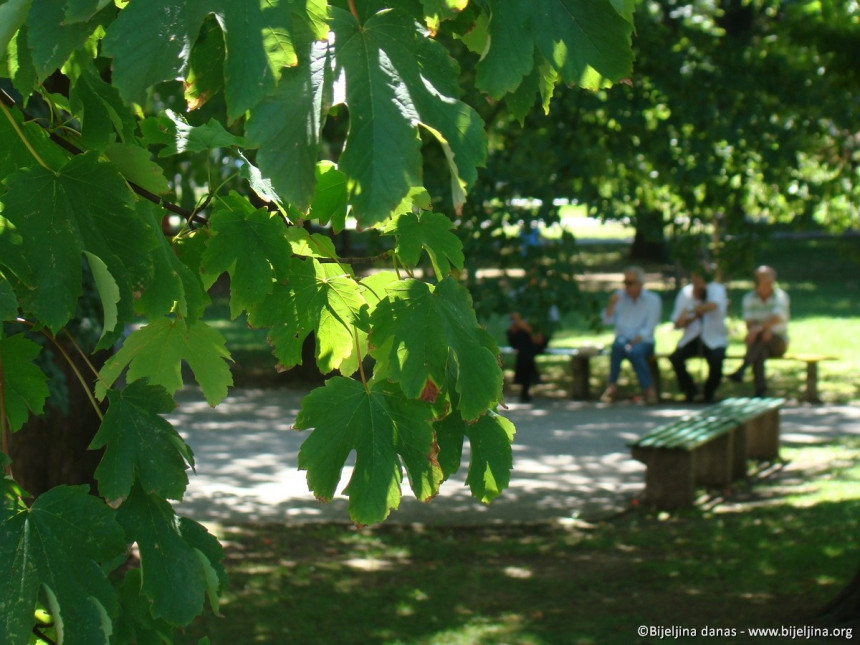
(739, 113)
(117, 116)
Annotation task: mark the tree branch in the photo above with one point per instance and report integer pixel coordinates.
(188, 215)
(39, 634)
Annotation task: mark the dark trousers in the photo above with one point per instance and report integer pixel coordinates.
(714, 356)
(757, 353)
(525, 368)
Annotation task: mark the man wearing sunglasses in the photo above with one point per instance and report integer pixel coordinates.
(634, 312)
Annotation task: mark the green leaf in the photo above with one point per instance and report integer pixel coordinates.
(165, 282)
(59, 545)
(83, 10)
(330, 196)
(15, 154)
(583, 40)
(177, 136)
(259, 45)
(25, 386)
(150, 42)
(314, 297)
(108, 292)
(134, 162)
(8, 300)
(135, 623)
(251, 245)
(397, 79)
(83, 207)
(174, 578)
(430, 232)
(382, 427)
(52, 39)
(490, 456)
(13, 14)
(205, 77)
(289, 146)
(37, 207)
(419, 332)
(140, 445)
(156, 351)
(310, 245)
(101, 110)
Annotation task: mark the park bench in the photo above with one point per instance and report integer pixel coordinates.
(811, 362)
(580, 366)
(709, 447)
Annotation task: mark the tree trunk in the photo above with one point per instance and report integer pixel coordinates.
(52, 449)
(649, 242)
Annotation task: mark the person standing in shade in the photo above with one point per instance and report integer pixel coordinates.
(700, 310)
(528, 343)
(634, 312)
(766, 313)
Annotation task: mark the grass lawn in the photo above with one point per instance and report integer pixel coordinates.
(770, 557)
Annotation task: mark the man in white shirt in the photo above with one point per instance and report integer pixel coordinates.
(700, 310)
(765, 312)
(634, 311)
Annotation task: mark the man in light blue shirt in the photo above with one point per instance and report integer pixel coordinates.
(634, 312)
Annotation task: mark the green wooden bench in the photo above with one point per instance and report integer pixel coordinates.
(709, 447)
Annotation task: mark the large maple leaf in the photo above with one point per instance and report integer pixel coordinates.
(430, 232)
(490, 455)
(180, 561)
(249, 244)
(584, 41)
(140, 445)
(385, 430)
(84, 206)
(396, 79)
(314, 297)
(60, 544)
(156, 352)
(420, 332)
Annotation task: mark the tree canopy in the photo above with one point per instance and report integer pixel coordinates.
(148, 149)
(740, 117)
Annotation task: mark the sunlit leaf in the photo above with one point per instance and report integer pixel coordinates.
(383, 428)
(156, 351)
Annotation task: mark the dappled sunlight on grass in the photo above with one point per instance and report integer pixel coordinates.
(771, 553)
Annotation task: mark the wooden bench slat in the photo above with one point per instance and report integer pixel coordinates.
(709, 447)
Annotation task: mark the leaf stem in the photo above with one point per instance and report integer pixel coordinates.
(38, 633)
(24, 139)
(358, 356)
(354, 11)
(77, 372)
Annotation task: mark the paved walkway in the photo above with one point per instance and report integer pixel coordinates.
(570, 460)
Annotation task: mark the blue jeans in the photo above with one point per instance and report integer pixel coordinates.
(638, 356)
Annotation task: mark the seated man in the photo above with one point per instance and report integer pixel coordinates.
(765, 312)
(528, 343)
(700, 310)
(634, 311)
